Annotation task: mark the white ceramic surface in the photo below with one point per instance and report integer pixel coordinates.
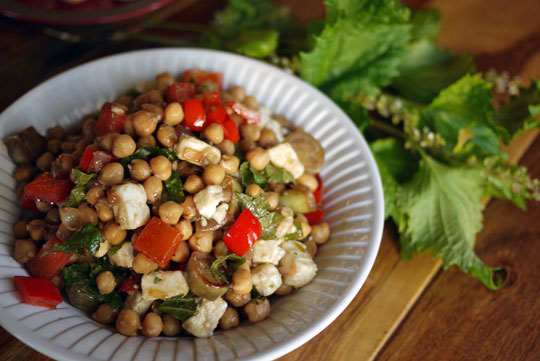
(353, 203)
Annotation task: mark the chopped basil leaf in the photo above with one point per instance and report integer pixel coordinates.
(173, 189)
(146, 152)
(83, 243)
(259, 207)
(254, 295)
(157, 280)
(78, 193)
(181, 307)
(269, 174)
(112, 251)
(223, 267)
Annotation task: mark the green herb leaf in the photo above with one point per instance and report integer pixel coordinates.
(223, 268)
(270, 174)
(181, 307)
(147, 152)
(425, 24)
(259, 207)
(83, 243)
(442, 213)
(173, 189)
(112, 251)
(78, 193)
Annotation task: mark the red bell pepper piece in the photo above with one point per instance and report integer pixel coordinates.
(29, 204)
(178, 92)
(249, 115)
(86, 158)
(318, 192)
(315, 217)
(158, 241)
(245, 231)
(130, 284)
(112, 118)
(37, 291)
(48, 189)
(194, 114)
(230, 130)
(219, 115)
(211, 99)
(198, 76)
(49, 265)
(98, 160)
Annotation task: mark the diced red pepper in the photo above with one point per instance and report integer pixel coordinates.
(48, 189)
(318, 192)
(245, 231)
(218, 114)
(49, 265)
(86, 158)
(158, 241)
(230, 130)
(100, 159)
(111, 119)
(198, 76)
(249, 115)
(194, 114)
(37, 291)
(179, 91)
(211, 99)
(315, 217)
(29, 204)
(130, 284)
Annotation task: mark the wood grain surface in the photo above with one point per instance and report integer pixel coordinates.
(407, 310)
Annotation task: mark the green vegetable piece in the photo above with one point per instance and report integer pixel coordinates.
(257, 43)
(181, 307)
(259, 207)
(147, 152)
(173, 189)
(112, 251)
(295, 235)
(223, 268)
(297, 200)
(270, 174)
(83, 243)
(78, 193)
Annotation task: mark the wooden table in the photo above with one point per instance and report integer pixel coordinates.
(407, 310)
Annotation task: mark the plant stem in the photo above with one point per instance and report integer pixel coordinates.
(387, 128)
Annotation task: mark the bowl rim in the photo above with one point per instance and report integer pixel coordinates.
(58, 352)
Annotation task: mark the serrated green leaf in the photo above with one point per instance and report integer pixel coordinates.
(173, 189)
(181, 307)
(77, 196)
(223, 268)
(83, 243)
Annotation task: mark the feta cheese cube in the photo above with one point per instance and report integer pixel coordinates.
(221, 212)
(284, 156)
(267, 252)
(206, 319)
(163, 284)
(270, 123)
(123, 257)
(131, 211)
(266, 278)
(297, 267)
(208, 199)
(196, 151)
(136, 302)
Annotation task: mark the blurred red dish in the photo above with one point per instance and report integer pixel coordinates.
(89, 12)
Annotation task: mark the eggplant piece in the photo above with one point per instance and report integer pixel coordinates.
(299, 201)
(26, 146)
(200, 279)
(309, 150)
(79, 297)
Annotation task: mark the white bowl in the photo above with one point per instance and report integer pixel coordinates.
(353, 203)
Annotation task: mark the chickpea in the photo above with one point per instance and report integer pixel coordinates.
(241, 281)
(25, 249)
(220, 249)
(113, 233)
(174, 114)
(308, 181)
(161, 167)
(43, 206)
(104, 212)
(142, 264)
(167, 135)
(257, 311)
(201, 241)
(213, 174)
(246, 145)
(144, 123)
(251, 132)
(284, 289)
(19, 229)
(36, 228)
(170, 212)
(105, 314)
(194, 184)
(128, 322)
(171, 326)
(320, 233)
(88, 214)
(268, 138)
(53, 146)
(148, 140)
(153, 188)
(253, 190)
(152, 325)
(229, 163)
(229, 319)
(139, 169)
(94, 194)
(311, 247)
(237, 300)
(123, 146)
(163, 80)
(238, 92)
(44, 161)
(258, 158)
(185, 227)
(190, 210)
(226, 147)
(106, 282)
(251, 102)
(23, 173)
(182, 253)
(56, 132)
(111, 174)
(214, 133)
(106, 142)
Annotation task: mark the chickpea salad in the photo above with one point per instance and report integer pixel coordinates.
(178, 208)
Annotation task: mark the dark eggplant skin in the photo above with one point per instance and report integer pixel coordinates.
(25, 146)
(200, 279)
